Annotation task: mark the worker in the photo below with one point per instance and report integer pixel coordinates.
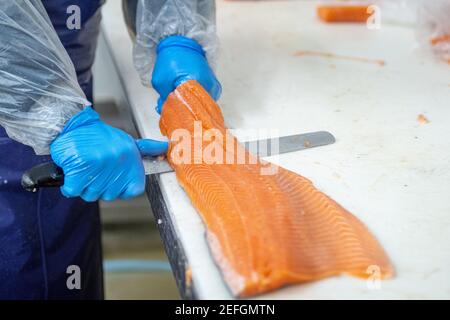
(51, 237)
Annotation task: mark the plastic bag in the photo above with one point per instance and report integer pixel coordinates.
(433, 29)
(401, 12)
(158, 19)
(39, 91)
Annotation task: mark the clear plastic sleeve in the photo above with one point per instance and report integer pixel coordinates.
(39, 91)
(158, 19)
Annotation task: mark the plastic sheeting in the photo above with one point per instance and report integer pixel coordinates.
(39, 91)
(434, 27)
(158, 19)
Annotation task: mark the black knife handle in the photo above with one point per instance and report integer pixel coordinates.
(45, 175)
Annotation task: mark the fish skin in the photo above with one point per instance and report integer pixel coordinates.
(265, 231)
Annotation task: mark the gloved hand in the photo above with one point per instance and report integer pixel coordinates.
(99, 161)
(180, 59)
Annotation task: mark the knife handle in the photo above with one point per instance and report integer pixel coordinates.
(46, 175)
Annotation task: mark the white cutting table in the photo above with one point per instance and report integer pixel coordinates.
(386, 167)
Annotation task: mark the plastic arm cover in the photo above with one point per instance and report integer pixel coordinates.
(158, 19)
(39, 91)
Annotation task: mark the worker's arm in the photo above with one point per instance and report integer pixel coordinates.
(176, 41)
(39, 91)
(43, 106)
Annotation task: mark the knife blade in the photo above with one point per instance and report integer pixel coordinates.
(50, 175)
(262, 148)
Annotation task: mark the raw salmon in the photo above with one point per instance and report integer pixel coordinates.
(343, 13)
(441, 46)
(265, 230)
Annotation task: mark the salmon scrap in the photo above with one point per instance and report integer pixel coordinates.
(343, 13)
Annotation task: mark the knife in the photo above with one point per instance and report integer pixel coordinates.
(50, 175)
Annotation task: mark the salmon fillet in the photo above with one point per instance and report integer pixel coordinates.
(343, 13)
(265, 230)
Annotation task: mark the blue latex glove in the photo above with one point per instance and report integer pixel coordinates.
(180, 59)
(99, 161)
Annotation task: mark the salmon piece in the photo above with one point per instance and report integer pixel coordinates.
(422, 119)
(343, 13)
(441, 47)
(267, 230)
(441, 39)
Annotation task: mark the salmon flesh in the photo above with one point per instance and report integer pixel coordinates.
(267, 227)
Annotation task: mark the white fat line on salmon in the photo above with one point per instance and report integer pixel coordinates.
(180, 97)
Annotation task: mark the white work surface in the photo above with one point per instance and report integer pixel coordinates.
(388, 169)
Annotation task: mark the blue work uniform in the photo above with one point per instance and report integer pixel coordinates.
(43, 234)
